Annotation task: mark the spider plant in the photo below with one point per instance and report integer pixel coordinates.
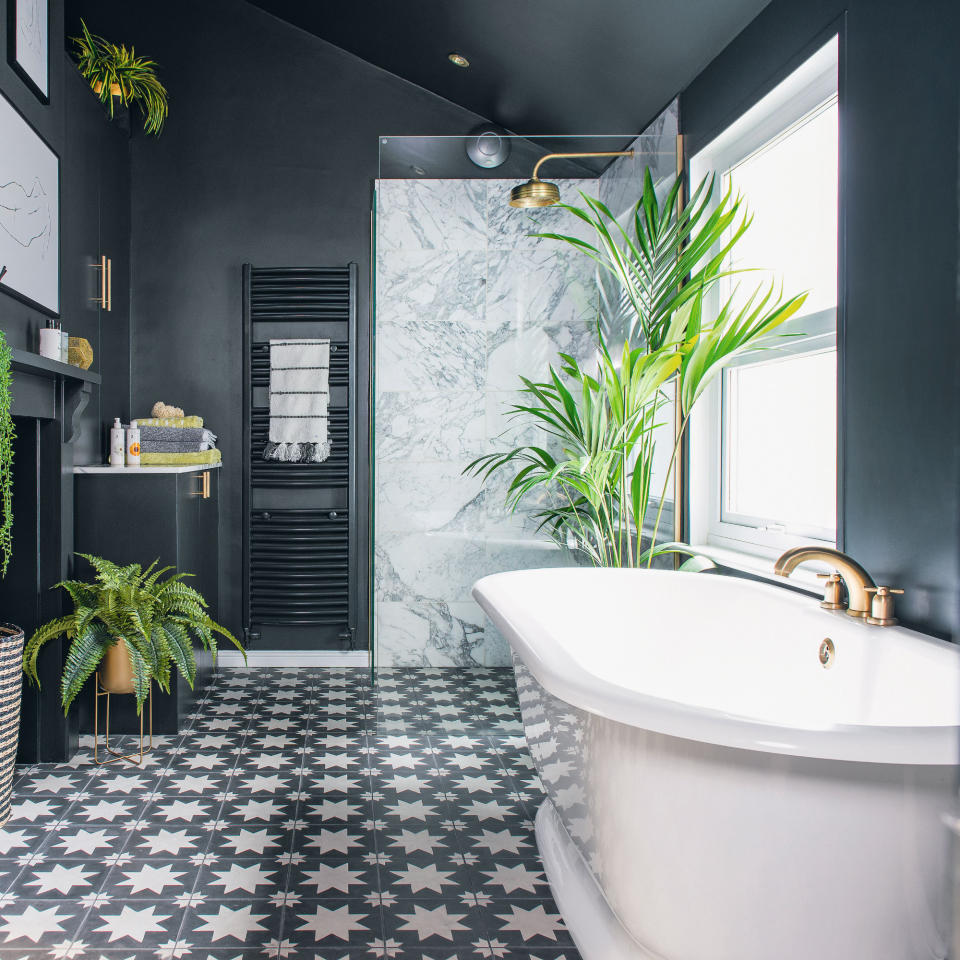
(597, 463)
(115, 71)
(157, 618)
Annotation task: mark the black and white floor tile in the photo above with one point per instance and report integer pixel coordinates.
(301, 814)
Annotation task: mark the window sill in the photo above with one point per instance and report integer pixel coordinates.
(756, 565)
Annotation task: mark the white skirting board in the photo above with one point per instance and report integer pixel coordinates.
(294, 658)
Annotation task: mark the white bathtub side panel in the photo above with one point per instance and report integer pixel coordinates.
(713, 853)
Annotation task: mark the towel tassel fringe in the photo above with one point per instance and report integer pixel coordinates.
(297, 452)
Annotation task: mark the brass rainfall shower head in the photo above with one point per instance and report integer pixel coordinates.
(541, 193)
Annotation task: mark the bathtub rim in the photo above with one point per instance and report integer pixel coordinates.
(569, 681)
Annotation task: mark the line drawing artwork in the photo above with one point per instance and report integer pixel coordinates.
(30, 25)
(31, 43)
(29, 212)
(25, 215)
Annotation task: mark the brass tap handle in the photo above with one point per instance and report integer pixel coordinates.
(881, 610)
(832, 592)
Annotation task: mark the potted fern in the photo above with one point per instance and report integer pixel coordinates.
(116, 73)
(137, 623)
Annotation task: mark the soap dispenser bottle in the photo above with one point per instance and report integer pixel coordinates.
(133, 444)
(116, 443)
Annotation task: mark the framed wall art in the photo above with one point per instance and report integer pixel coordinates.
(29, 213)
(29, 44)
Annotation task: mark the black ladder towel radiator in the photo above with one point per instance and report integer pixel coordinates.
(300, 530)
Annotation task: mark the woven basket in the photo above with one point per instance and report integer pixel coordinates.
(11, 674)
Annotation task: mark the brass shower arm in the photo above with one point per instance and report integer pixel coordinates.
(567, 156)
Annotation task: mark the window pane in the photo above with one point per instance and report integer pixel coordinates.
(780, 422)
(790, 187)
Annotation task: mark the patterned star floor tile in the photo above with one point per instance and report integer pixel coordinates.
(300, 814)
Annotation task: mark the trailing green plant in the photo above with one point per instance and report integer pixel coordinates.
(115, 71)
(157, 618)
(596, 466)
(7, 435)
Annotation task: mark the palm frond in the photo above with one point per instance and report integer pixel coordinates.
(655, 267)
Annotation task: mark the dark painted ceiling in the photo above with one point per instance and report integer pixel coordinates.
(536, 66)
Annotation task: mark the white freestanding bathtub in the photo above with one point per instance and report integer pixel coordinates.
(714, 792)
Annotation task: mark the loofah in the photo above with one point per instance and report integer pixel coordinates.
(162, 410)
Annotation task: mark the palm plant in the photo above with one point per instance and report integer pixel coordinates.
(598, 469)
(156, 618)
(115, 71)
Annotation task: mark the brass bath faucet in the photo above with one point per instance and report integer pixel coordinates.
(858, 582)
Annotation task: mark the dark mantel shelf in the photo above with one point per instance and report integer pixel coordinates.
(28, 362)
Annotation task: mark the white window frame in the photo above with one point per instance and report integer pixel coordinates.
(736, 540)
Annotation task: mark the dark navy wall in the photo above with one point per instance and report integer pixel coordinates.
(900, 403)
(94, 184)
(19, 322)
(268, 157)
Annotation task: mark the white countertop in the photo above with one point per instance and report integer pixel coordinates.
(107, 470)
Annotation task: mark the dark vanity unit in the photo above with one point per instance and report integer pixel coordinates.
(142, 514)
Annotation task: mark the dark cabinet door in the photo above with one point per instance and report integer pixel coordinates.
(114, 195)
(80, 225)
(208, 563)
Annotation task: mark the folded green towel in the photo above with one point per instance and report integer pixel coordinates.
(170, 422)
(201, 458)
(175, 434)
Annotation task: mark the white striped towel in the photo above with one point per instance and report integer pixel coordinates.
(299, 398)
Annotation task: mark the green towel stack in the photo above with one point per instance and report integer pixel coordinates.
(200, 458)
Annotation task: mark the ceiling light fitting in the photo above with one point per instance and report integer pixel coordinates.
(458, 59)
(540, 193)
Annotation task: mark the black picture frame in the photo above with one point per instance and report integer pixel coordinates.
(18, 135)
(34, 75)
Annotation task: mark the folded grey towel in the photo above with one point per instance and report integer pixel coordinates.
(172, 446)
(172, 434)
(178, 435)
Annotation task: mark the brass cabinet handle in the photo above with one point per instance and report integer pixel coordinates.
(109, 287)
(203, 490)
(104, 269)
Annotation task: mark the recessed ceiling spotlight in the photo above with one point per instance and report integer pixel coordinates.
(458, 59)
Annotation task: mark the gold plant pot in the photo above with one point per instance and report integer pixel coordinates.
(115, 90)
(116, 671)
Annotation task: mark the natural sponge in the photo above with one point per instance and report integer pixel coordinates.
(161, 409)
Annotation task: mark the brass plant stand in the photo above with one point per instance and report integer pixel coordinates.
(135, 758)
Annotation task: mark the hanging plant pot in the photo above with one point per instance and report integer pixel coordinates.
(115, 90)
(116, 673)
(11, 675)
(115, 72)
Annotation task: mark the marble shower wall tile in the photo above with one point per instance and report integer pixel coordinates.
(430, 356)
(414, 496)
(444, 215)
(420, 426)
(431, 285)
(435, 634)
(466, 302)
